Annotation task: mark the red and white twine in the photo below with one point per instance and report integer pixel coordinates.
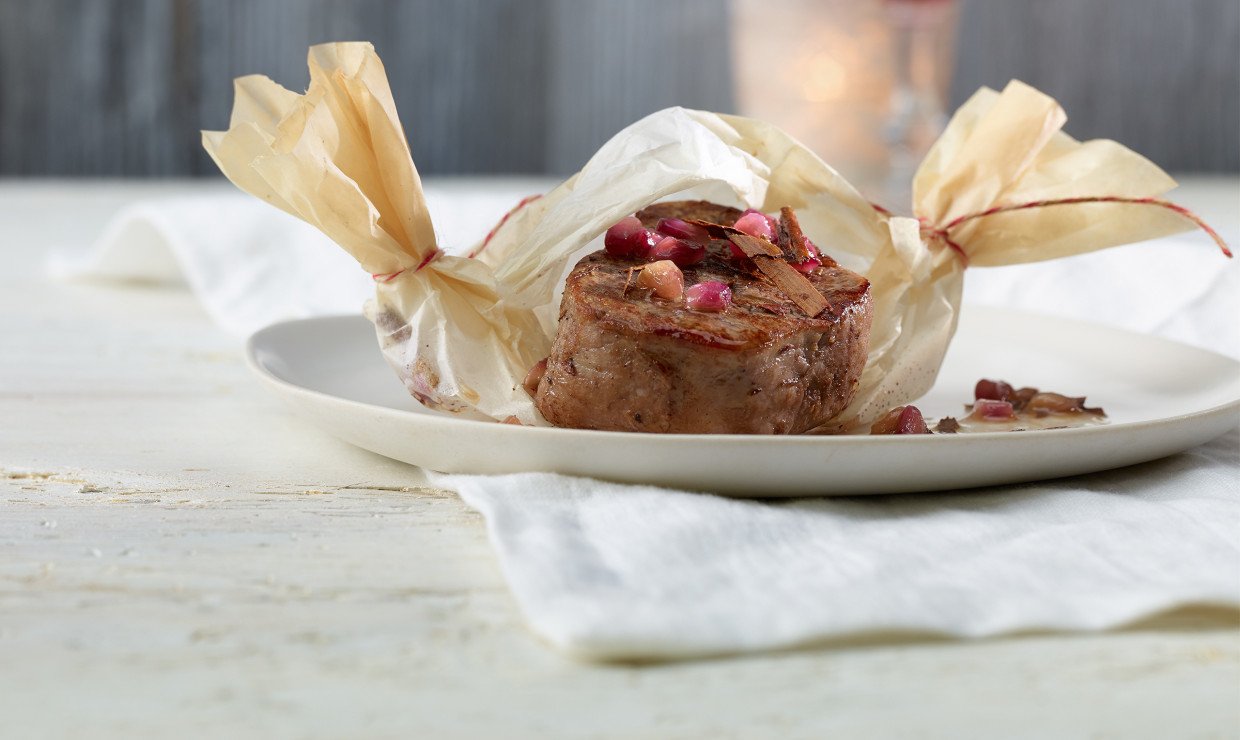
(940, 233)
(943, 233)
(387, 277)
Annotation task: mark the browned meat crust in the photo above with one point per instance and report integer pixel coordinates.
(624, 360)
(702, 210)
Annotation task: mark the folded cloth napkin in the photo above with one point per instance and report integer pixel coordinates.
(251, 265)
(616, 571)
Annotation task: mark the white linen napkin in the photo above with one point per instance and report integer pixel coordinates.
(251, 265)
(615, 571)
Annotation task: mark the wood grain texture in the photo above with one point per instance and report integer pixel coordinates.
(181, 557)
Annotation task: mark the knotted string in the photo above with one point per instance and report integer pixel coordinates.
(943, 233)
(387, 277)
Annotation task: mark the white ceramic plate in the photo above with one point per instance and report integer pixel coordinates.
(1162, 397)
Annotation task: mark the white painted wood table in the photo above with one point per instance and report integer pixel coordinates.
(181, 557)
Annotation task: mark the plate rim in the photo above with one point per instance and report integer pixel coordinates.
(843, 440)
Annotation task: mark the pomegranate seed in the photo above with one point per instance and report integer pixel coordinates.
(901, 420)
(664, 278)
(710, 296)
(771, 221)
(534, 377)
(995, 390)
(683, 230)
(813, 249)
(755, 224)
(911, 421)
(808, 265)
(680, 252)
(629, 239)
(988, 410)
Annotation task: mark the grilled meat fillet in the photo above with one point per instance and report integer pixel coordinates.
(626, 360)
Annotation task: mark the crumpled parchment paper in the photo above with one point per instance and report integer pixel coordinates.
(463, 331)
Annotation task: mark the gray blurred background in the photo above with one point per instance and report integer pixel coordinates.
(121, 87)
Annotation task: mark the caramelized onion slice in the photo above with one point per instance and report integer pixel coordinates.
(664, 278)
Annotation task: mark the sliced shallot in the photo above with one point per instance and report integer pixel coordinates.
(664, 278)
(534, 377)
(679, 251)
(682, 229)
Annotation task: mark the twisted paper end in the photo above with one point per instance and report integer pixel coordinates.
(387, 277)
(943, 233)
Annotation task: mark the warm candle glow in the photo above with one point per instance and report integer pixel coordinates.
(827, 81)
(837, 74)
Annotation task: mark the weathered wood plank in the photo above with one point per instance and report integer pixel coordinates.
(180, 557)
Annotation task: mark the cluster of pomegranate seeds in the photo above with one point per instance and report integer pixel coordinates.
(675, 240)
(630, 239)
(677, 243)
(1026, 400)
(664, 279)
(710, 297)
(685, 243)
(901, 420)
(994, 401)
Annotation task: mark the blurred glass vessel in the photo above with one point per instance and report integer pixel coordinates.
(863, 83)
(922, 48)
